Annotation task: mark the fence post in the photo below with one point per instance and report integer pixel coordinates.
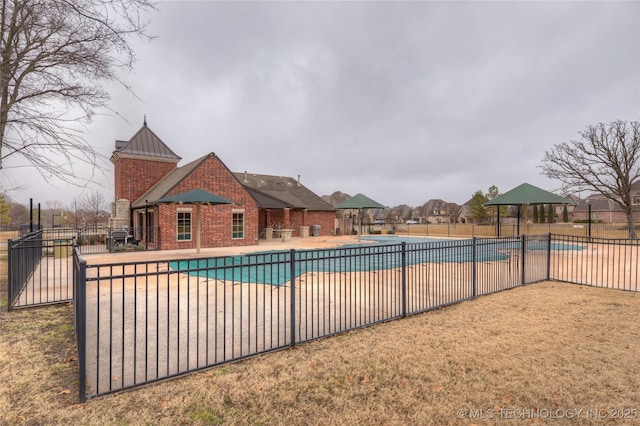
(80, 308)
(549, 257)
(522, 262)
(404, 279)
(292, 274)
(474, 266)
(9, 268)
(589, 228)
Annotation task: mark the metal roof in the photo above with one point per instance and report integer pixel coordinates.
(360, 201)
(527, 194)
(195, 196)
(145, 143)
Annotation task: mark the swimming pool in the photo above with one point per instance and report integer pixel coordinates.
(385, 252)
(535, 244)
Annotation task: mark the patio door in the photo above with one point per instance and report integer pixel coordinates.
(150, 227)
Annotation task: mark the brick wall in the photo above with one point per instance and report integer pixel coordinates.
(133, 177)
(212, 176)
(298, 218)
(326, 220)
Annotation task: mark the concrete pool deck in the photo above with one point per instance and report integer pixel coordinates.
(297, 243)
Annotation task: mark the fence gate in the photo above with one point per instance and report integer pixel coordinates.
(39, 270)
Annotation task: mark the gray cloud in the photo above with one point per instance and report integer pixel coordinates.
(403, 101)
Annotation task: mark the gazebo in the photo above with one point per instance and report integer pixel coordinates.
(524, 195)
(359, 202)
(196, 197)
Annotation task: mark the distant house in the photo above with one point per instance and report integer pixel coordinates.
(437, 211)
(605, 210)
(146, 169)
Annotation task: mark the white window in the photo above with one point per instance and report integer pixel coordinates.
(184, 225)
(237, 224)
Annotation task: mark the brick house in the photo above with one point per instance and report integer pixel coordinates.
(146, 169)
(605, 210)
(287, 204)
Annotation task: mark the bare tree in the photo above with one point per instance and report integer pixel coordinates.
(54, 207)
(606, 160)
(74, 212)
(94, 205)
(54, 57)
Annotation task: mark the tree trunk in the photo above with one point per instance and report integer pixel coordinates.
(631, 224)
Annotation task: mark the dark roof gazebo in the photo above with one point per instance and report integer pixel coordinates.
(525, 194)
(359, 202)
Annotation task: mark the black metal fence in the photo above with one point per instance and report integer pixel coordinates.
(38, 271)
(469, 230)
(22, 266)
(598, 262)
(140, 322)
(98, 239)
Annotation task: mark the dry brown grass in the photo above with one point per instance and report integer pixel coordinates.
(544, 346)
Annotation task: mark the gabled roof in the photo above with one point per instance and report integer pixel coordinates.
(288, 191)
(597, 203)
(168, 182)
(444, 208)
(144, 144)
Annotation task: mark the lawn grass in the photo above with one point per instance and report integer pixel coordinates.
(547, 346)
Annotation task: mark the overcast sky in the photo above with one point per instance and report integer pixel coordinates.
(402, 101)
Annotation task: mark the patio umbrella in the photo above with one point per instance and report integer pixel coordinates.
(525, 194)
(196, 197)
(359, 202)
